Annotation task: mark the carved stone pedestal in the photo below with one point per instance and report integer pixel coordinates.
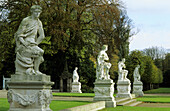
(123, 88)
(137, 88)
(29, 93)
(104, 90)
(76, 87)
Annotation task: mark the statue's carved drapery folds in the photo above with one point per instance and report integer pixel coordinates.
(29, 35)
(121, 71)
(137, 84)
(136, 74)
(75, 75)
(29, 89)
(102, 70)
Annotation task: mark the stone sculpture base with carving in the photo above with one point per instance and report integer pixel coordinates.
(124, 88)
(76, 87)
(104, 90)
(29, 93)
(137, 88)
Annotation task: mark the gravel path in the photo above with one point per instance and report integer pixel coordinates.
(3, 94)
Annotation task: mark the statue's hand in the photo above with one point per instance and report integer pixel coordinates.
(26, 44)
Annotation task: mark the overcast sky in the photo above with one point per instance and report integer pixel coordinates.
(152, 18)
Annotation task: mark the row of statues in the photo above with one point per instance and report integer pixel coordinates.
(102, 69)
(29, 56)
(103, 83)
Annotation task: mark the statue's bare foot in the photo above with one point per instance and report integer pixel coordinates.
(38, 73)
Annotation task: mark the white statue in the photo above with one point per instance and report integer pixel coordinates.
(102, 70)
(75, 75)
(29, 35)
(122, 72)
(136, 74)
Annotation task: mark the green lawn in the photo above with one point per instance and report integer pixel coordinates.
(4, 105)
(155, 99)
(74, 94)
(130, 108)
(59, 105)
(159, 90)
(55, 105)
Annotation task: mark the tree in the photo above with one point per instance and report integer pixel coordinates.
(135, 58)
(155, 52)
(74, 29)
(150, 75)
(166, 71)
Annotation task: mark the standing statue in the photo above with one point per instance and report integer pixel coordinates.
(136, 74)
(75, 75)
(122, 72)
(29, 35)
(102, 70)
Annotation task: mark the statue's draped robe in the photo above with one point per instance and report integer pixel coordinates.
(25, 55)
(102, 66)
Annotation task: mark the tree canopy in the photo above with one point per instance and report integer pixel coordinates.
(75, 30)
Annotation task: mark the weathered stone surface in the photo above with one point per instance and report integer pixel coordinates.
(137, 84)
(123, 88)
(29, 93)
(103, 67)
(28, 36)
(137, 89)
(76, 87)
(104, 90)
(29, 89)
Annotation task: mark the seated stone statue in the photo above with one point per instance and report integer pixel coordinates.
(75, 75)
(30, 33)
(121, 71)
(136, 74)
(102, 70)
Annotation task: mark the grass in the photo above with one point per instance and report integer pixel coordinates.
(130, 108)
(158, 91)
(55, 105)
(4, 105)
(59, 105)
(74, 94)
(155, 99)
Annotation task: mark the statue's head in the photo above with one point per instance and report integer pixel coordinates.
(105, 47)
(123, 59)
(138, 66)
(76, 68)
(36, 10)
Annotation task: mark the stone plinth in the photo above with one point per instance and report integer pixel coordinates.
(76, 87)
(123, 88)
(29, 93)
(137, 88)
(104, 90)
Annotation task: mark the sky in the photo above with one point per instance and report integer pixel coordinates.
(152, 19)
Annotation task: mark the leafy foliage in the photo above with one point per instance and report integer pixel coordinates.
(75, 31)
(149, 72)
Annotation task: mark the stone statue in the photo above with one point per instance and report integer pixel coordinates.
(121, 71)
(137, 84)
(29, 35)
(75, 75)
(136, 74)
(76, 85)
(102, 70)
